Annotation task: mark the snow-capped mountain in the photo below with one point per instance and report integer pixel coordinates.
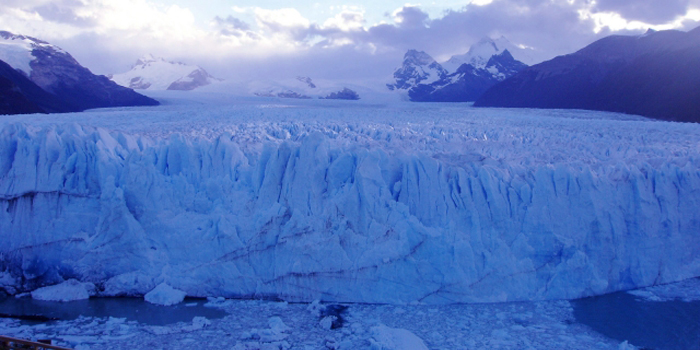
(156, 73)
(654, 75)
(56, 72)
(468, 82)
(425, 80)
(480, 53)
(417, 68)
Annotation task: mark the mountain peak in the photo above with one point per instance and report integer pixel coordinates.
(418, 58)
(146, 59)
(480, 53)
(418, 67)
(157, 73)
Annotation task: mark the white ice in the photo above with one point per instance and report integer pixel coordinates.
(69, 290)
(687, 290)
(387, 338)
(164, 294)
(344, 201)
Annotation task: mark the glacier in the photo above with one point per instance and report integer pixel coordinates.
(307, 200)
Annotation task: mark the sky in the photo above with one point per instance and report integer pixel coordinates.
(361, 39)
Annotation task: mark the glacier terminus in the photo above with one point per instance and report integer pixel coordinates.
(348, 201)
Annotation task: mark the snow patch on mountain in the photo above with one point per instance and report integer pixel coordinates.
(155, 73)
(16, 50)
(17, 53)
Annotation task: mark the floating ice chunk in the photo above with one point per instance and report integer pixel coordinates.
(327, 322)
(198, 322)
(688, 290)
(626, 346)
(165, 295)
(386, 338)
(315, 308)
(69, 290)
(277, 325)
(160, 330)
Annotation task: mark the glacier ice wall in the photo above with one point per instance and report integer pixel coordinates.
(315, 218)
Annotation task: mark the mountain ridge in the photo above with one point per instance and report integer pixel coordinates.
(156, 73)
(425, 80)
(56, 72)
(653, 75)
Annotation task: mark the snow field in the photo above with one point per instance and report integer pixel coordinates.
(349, 202)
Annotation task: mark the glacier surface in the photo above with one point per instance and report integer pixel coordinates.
(334, 200)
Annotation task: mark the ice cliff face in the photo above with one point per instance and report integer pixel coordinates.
(312, 217)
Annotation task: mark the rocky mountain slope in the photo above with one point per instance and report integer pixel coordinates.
(72, 87)
(654, 75)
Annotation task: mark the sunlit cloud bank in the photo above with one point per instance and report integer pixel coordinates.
(247, 42)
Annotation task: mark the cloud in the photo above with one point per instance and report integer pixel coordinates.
(410, 16)
(346, 20)
(66, 11)
(230, 25)
(649, 11)
(107, 35)
(286, 22)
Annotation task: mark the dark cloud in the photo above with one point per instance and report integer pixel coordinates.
(550, 27)
(230, 26)
(65, 12)
(649, 11)
(411, 17)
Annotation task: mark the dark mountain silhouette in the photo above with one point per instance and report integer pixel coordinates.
(655, 75)
(19, 95)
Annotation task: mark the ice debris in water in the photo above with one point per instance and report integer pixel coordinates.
(69, 290)
(165, 295)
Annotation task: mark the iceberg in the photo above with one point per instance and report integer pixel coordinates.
(350, 213)
(70, 290)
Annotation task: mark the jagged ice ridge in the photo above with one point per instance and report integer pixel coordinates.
(386, 205)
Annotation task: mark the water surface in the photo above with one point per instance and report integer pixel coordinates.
(133, 309)
(645, 324)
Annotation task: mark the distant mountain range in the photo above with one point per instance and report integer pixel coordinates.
(302, 88)
(655, 75)
(487, 63)
(39, 77)
(152, 73)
